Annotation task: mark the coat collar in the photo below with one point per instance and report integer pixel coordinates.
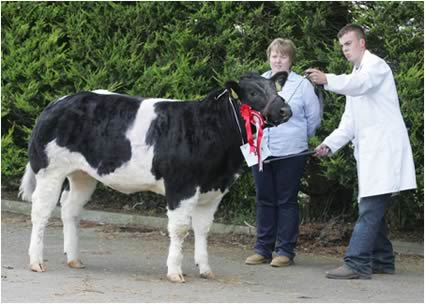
(365, 58)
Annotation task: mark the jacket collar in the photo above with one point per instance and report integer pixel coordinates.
(365, 57)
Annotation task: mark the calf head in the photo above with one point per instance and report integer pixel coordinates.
(262, 95)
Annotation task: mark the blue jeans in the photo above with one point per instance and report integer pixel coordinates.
(277, 217)
(369, 246)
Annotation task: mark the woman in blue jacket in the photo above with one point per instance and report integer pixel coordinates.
(277, 186)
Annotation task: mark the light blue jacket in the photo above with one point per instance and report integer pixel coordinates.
(291, 137)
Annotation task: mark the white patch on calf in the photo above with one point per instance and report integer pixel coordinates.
(138, 131)
(142, 155)
(60, 98)
(202, 218)
(178, 228)
(82, 187)
(129, 178)
(104, 92)
(199, 209)
(44, 199)
(62, 160)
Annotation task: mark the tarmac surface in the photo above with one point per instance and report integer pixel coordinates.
(130, 266)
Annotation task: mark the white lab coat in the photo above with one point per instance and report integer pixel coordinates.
(372, 121)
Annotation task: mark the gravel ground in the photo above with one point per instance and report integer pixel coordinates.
(128, 264)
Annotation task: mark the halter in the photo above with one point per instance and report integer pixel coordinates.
(234, 112)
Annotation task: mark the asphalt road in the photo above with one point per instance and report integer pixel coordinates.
(131, 267)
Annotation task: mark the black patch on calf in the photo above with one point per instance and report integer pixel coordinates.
(195, 145)
(89, 123)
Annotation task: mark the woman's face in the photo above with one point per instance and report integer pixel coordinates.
(279, 62)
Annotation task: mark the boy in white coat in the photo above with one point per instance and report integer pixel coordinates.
(372, 121)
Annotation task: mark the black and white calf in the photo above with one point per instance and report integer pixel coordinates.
(188, 151)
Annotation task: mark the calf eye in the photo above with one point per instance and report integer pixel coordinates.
(253, 94)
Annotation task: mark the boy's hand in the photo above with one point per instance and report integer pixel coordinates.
(322, 150)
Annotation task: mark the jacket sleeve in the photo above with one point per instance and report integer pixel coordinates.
(311, 109)
(344, 133)
(358, 83)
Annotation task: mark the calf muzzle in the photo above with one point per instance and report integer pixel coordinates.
(276, 111)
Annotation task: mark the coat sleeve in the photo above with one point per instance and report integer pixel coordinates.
(344, 133)
(358, 83)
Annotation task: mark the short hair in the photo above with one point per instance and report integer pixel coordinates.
(352, 28)
(283, 46)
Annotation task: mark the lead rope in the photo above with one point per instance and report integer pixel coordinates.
(304, 77)
(236, 118)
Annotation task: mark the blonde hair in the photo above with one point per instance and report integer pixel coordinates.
(283, 46)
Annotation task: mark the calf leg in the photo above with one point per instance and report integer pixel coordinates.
(178, 227)
(82, 187)
(202, 218)
(44, 199)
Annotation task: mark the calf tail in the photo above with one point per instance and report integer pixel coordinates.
(28, 183)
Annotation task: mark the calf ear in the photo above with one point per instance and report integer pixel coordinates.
(279, 79)
(233, 88)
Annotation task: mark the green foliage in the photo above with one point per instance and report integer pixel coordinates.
(11, 155)
(183, 50)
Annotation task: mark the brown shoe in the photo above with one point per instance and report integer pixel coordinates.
(281, 261)
(345, 273)
(256, 259)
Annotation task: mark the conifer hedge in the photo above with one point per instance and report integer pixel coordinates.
(183, 50)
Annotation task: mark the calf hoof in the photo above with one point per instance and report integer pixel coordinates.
(208, 275)
(38, 267)
(176, 278)
(77, 264)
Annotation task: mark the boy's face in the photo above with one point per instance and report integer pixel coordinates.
(352, 47)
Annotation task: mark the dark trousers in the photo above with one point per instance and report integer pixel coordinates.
(369, 246)
(277, 217)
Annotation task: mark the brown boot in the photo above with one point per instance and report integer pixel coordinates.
(345, 273)
(256, 259)
(281, 261)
